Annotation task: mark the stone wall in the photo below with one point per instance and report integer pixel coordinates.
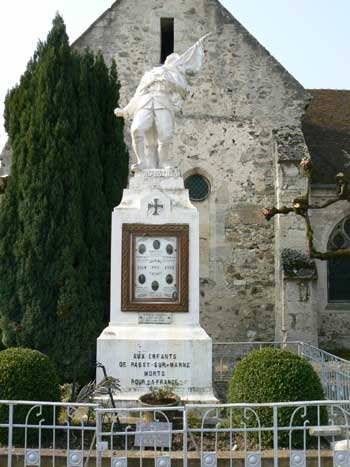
(224, 132)
(296, 317)
(240, 77)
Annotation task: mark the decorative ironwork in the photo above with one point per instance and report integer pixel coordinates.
(334, 372)
(253, 459)
(32, 457)
(101, 446)
(297, 459)
(119, 462)
(217, 427)
(227, 354)
(75, 459)
(341, 458)
(163, 461)
(209, 459)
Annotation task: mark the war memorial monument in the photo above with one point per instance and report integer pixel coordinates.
(154, 338)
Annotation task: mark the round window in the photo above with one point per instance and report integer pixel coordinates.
(198, 187)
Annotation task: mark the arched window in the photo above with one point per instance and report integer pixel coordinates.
(339, 268)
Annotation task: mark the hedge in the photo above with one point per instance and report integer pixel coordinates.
(26, 375)
(273, 375)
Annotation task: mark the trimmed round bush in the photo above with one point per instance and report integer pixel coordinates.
(273, 375)
(27, 375)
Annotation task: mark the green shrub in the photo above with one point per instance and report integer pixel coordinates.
(27, 375)
(272, 375)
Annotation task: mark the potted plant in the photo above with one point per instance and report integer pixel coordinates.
(159, 397)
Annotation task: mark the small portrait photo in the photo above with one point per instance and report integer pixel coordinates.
(142, 278)
(169, 249)
(169, 279)
(156, 244)
(142, 248)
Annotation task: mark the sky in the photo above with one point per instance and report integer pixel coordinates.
(310, 38)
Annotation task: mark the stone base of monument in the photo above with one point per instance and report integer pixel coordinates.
(158, 356)
(154, 339)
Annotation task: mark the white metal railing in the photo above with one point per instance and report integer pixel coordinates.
(29, 429)
(55, 435)
(83, 435)
(334, 372)
(227, 354)
(224, 434)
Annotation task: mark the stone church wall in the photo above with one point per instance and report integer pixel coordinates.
(296, 317)
(226, 133)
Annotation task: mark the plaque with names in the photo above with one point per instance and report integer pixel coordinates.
(155, 268)
(155, 318)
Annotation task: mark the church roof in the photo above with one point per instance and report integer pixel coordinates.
(326, 127)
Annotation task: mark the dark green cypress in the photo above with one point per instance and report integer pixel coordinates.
(69, 168)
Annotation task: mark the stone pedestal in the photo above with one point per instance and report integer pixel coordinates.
(151, 345)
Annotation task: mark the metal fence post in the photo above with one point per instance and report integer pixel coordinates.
(300, 349)
(10, 432)
(185, 440)
(275, 436)
(98, 438)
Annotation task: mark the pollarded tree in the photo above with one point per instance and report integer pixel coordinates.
(302, 205)
(69, 167)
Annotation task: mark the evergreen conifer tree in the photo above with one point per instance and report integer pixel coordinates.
(69, 167)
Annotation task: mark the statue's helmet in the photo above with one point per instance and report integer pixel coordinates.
(171, 59)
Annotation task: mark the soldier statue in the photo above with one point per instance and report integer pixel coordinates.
(160, 94)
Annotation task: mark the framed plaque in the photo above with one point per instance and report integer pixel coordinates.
(155, 268)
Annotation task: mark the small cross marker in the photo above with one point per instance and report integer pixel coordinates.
(155, 206)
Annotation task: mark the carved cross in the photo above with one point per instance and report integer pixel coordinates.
(155, 206)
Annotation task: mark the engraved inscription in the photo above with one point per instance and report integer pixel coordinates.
(161, 173)
(151, 369)
(155, 318)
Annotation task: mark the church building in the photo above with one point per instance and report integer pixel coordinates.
(239, 140)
